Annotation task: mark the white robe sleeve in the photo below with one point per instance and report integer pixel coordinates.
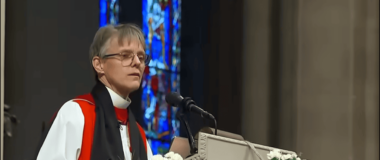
(64, 140)
(150, 153)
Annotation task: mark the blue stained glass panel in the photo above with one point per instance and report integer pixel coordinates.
(161, 26)
(109, 12)
(162, 31)
(176, 35)
(159, 147)
(159, 117)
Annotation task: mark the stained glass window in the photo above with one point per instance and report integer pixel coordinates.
(161, 26)
(109, 12)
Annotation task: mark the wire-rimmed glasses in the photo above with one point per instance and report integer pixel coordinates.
(126, 57)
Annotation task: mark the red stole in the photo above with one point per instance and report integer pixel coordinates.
(89, 114)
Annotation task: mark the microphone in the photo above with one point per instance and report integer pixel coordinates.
(176, 100)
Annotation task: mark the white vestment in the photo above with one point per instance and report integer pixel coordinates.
(64, 139)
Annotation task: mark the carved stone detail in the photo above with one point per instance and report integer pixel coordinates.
(202, 145)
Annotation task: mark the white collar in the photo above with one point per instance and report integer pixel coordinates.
(119, 101)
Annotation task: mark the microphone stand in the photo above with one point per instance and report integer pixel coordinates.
(193, 149)
(186, 102)
(216, 130)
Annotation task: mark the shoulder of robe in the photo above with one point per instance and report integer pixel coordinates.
(88, 109)
(84, 103)
(69, 109)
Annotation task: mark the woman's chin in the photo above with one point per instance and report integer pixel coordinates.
(133, 86)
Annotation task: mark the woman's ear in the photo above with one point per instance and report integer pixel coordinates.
(97, 64)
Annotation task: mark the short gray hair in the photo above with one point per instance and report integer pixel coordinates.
(103, 36)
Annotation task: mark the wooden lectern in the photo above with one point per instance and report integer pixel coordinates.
(213, 147)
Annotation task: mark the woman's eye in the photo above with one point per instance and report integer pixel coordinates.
(128, 55)
(141, 56)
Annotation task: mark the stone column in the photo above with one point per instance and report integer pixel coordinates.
(255, 86)
(371, 92)
(337, 79)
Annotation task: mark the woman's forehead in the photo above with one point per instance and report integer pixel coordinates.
(126, 42)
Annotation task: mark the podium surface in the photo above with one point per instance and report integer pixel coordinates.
(212, 147)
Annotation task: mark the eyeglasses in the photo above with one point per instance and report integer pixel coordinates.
(127, 57)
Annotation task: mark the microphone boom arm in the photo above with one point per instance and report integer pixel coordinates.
(188, 102)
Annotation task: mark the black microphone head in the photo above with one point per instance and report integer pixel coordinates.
(173, 98)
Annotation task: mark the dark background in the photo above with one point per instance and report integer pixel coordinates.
(46, 65)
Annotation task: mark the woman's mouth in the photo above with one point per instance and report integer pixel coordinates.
(135, 74)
